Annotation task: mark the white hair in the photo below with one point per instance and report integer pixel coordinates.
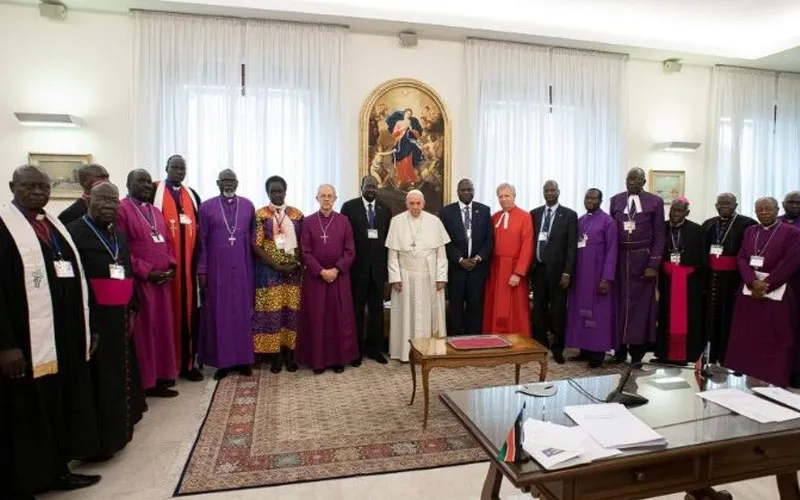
(322, 186)
(416, 192)
(506, 186)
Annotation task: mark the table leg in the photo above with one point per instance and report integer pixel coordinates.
(425, 372)
(516, 373)
(543, 370)
(787, 486)
(491, 486)
(412, 363)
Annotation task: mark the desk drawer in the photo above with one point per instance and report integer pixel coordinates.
(655, 474)
(764, 453)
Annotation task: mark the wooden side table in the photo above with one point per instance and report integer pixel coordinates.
(433, 353)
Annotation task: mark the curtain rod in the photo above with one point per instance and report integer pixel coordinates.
(544, 45)
(238, 18)
(762, 70)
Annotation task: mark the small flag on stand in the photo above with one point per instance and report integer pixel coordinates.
(511, 451)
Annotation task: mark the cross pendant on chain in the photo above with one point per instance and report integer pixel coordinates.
(232, 239)
(324, 238)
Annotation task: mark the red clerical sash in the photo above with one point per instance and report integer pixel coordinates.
(722, 263)
(111, 292)
(678, 308)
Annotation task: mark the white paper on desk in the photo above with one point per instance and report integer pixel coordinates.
(613, 426)
(749, 405)
(573, 446)
(776, 295)
(780, 395)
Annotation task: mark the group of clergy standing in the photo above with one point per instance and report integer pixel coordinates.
(117, 298)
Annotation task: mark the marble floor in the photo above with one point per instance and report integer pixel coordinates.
(149, 468)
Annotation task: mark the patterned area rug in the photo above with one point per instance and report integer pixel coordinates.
(269, 430)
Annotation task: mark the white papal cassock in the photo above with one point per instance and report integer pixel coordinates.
(417, 259)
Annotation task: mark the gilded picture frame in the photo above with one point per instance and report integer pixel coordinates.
(406, 143)
(668, 184)
(63, 172)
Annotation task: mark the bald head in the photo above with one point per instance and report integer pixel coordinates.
(466, 191)
(227, 183)
(678, 211)
(30, 186)
(104, 203)
(726, 205)
(767, 210)
(635, 180)
(551, 193)
(791, 205)
(140, 184)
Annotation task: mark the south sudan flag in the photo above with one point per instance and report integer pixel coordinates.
(511, 450)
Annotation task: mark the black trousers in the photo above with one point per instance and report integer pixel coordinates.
(637, 352)
(549, 309)
(465, 291)
(368, 295)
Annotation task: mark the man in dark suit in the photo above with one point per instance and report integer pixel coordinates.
(370, 221)
(555, 233)
(469, 225)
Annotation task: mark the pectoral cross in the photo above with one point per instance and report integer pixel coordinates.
(172, 226)
(232, 239)
(324, 238)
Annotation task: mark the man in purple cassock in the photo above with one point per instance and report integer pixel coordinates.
(640, 230)
(153, 269)
(765, 321)
(327, 337)
(590, 319)
(791, 215)
(225, 274)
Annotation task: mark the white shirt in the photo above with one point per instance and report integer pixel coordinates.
(461, 207)
(636, 201)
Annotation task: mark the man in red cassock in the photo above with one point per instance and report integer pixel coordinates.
(507, 307)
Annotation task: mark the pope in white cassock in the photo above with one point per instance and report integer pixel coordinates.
(418, 275)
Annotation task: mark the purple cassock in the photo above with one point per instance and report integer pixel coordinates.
(226, 258)
(327, 334)
(590, 321)
(763, 333)
(144, 227)
(641, 245)
(796, 286)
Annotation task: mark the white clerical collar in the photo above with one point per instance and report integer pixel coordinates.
(771, 225)
(636, 201)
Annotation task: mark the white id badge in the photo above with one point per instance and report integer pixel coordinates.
(185, 219)
(372, 234)
(675, 258)
(582, 243)
(716, 250)
(280, 241)
(756, 261)
(469, 233)
(629, 225)
(64, 269)
(543, 236)
(157, 238)
(116, 272)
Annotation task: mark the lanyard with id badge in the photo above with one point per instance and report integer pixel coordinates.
(62, 267)
(115, 270)
(717, 248)
(151, 222)
(675, 253)
(757, 260)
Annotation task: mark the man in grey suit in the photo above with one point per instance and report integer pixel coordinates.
(555, 233)
(469, 225)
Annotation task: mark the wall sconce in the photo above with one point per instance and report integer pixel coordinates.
(677, 146)
(48, 120)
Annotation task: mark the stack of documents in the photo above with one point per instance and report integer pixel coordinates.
(613, 426)
(556, 447)
(749, 405)
(780, 395)
(776, 295)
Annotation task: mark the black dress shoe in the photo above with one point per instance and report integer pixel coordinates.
(579, 357)
(379, 358)
(11, 495)
(558, 357)
(595, 363)
(221, 373)
(160, 392)
(292, 367)
(338, 369)
(246, 371)
(356, 362)
(70, 481)
(276, 367)
(618, 360)
(98, 459)
(319, 371)
(192, 375)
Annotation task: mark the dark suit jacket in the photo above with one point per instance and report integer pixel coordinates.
(368, 251)
(74, 211)
(482, 235)
(562, 245)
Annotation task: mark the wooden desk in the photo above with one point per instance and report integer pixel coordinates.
(707, 445)
(436, 353)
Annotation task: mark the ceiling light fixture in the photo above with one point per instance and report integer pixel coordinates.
(48, 120)
(677, 146)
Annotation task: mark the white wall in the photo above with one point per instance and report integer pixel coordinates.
(83, 67)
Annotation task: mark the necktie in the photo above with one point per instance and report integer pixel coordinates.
(370, 215)
(548, 219)
(467, 219)
(632, 208)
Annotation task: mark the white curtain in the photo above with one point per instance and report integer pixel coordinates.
(785, 176)
(542, 113)
(262, 98)
(741, 137)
